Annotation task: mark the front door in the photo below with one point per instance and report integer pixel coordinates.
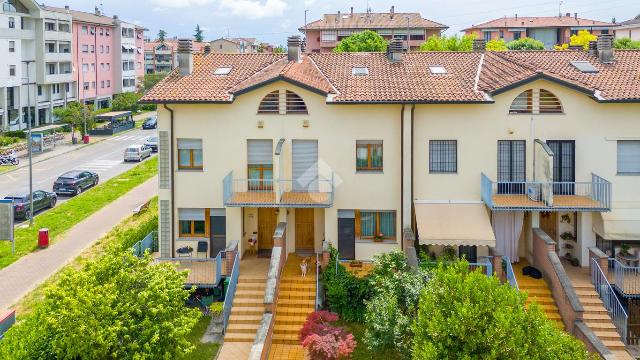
(548, 224)
(564, 166)
(218, 233)
(267, 221)
(304, 229)
(347, 237)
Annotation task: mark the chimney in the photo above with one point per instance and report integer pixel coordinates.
(115, 17)
(185, 56)
(516, 16)
(593, 48)
(575, 16)
(394, 50)
(392, 12)
(479, 45)
(207, 49)
(605, 48)
(293, 48)
(568, 14)
(66, 7)
(97, 11)
(352, 11)
(338, 17)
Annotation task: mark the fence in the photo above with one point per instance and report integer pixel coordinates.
(6, 321)
(610, 300)
(508, 269)
(231, 289)
(149, 242)
(627, 278)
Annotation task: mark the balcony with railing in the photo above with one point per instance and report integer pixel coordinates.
(315, 193)
(547, 196)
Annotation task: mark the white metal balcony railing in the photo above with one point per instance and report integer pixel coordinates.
(610, 300)
(547, 196)
(317, 192)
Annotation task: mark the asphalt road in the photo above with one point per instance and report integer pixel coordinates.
(104, 158)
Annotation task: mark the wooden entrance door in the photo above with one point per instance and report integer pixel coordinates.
(304, 229)
(267, 221)
(548, 224)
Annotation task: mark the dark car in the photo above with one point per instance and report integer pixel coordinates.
(152, 143)
(41, 200)
(150, 123)
(74, 182)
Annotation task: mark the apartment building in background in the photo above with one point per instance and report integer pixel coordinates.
(107, 55)
(239, 46)
(322, 35)
(33, 37)
(629, 29)
(162, 56)
(551, 30)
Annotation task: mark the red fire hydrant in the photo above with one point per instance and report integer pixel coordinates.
(43, 238)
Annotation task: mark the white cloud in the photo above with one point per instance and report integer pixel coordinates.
(180, 3)
(309, 2)
(254, 9)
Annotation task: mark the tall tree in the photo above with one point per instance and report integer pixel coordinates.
(279, 49)
(448, 43)
(365, 41)
(582, 38)
(161, 35)
(198, 35)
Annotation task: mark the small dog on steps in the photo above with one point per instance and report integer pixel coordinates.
(304, 265)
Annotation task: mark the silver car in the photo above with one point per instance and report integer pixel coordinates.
(136, 152)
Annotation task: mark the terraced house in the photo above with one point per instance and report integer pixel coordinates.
(528, 156)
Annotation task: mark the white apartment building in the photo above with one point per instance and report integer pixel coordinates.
(40, 40)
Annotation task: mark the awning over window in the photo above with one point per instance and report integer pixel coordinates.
(618, 224)
(454, 224)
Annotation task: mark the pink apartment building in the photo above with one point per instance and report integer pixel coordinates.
(323, 35)
(551, 30)
(108, 56)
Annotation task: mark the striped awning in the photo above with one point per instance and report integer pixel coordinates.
(454, 224)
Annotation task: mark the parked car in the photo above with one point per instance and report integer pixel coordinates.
(152, 143)
(75, 182)
(136, 153)
(150, 123)
(41, 200)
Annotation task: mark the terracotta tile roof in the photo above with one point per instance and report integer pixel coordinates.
(202, 85)
(470, 77)
(372, 21)
(634, 21)
(173, 45)
(84, 17)
(539, 21)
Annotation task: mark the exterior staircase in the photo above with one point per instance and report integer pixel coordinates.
(597, 319)
(539, 293)
(296, 300)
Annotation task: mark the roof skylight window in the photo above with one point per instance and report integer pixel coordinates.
(438, 70)
(584, 66)
(360, 71)
(222, 71)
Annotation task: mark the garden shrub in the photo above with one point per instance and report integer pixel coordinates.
(525, 44)
(6, 141)
(20, 134)
(324, 341)
(345, 292)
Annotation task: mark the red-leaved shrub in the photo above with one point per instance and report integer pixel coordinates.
(324, 341)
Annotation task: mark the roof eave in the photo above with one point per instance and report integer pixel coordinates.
(542, 76)
(410, 102)
(280, 78)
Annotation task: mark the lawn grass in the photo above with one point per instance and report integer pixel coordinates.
(124, 235)
(202, 351)
(362, 352)
(6, 168)
(66, 215)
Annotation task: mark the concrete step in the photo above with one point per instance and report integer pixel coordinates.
(298, 280)
(244, 319)
(282, 319)
(589, 317)
(241, 301)
(239, 337)
(290, 339)
(614, 344)
(249, 294)
(600, 326)
(537, 292)
(287, 329)
(251, 280)
(541, 300)
(587, 294)
(296, 302)
(302, 295)
(607, 335)
(242, 328)
(251, 286)
(596, 309)
(291, 311)
(298, 287)
(587, 301)
(622, 355)
(238, 310)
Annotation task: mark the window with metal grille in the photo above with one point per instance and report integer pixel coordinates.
(511, 166)
(270, 104)
(368, 155)
(443, 156)
(295, 104)
(536, 101)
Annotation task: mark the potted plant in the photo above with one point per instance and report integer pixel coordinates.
(624, 250)
(379, 237)
(567, 236)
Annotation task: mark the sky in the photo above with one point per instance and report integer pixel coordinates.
(273, 20)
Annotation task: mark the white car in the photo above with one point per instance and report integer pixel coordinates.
(152, 143)
(136, 153)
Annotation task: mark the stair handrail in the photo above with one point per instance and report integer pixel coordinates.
(511, 276)
(231, 290)
(609, 300)
(318, 303)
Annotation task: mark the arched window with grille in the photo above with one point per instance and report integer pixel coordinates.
(536, 101)
(291, 103)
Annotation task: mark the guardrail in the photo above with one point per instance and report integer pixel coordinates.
(150, 242)
(6, 321)
(231, 290)
(610, 300)
(508, 269)
(627, 278)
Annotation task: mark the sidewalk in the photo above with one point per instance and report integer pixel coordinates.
(64, 146)
(24, 275)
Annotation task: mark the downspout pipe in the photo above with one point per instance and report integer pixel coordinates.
(173, 194)
(402, 173)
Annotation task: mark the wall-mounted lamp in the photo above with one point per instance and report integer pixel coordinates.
(260, 124)
(305, 123)
(510, 131)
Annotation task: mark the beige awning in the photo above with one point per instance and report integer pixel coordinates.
(454, 224)
(618, 224)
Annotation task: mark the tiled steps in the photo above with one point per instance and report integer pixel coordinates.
(247, 310)
(538, 291)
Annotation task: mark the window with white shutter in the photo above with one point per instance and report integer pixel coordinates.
(629, 157)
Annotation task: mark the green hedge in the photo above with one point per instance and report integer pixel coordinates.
(20, 134)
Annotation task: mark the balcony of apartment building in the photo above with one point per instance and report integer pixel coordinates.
(58, 72)
(19, 28)
(57, 30)
(57, 51)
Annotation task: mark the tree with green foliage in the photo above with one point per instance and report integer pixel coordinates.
(346, 293)
(198, 36)
(448, 43)
(625, 43)
(364, 41)
(76, 115)
(394, 304)
(525, 44)
(464, 314)
(496, 45)
(582, 38)
(117, 307)
(161, 35)
(127, 101)
(149, 81)
(279, 49)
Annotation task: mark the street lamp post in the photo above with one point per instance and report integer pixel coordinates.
(29, 142)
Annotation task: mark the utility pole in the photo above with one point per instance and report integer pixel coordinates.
(29, 142)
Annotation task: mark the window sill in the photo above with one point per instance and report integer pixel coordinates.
(443, 173)
(368, 241)
(192, 238)
(190, 170)
(628, 174)
(369, 171)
